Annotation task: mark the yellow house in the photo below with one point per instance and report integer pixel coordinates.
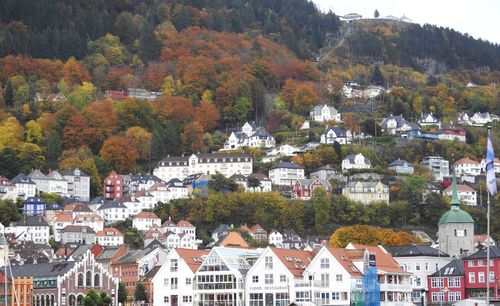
(366, 192)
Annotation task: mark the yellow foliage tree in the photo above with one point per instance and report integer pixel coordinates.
(11, 133)
(370, 235)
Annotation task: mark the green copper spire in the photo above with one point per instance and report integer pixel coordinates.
(455, 201)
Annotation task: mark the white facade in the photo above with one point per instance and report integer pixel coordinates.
(466, 166)
(113, 211)
(32, 228)
(285, 173)
(166, 192)
(336, 134)
(226, 164)
(51, 183)
(322, 113)
(8, 190)
(78, 184)
(173, 283)
(250, 135)
(280, 151)
(496, 165)
(428, 119)
(109, 237)
(145, 220)
(275, 238)
(466, 194)
(25, 186)
(438, 166)
(358, 161)
(480, 119)
(421, 267)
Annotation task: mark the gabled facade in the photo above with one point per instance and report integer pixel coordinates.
(322, 113)
(113, 211)
(8, 190)
(396, 124)
(51, 183)
(476, 277)
(428, 120)
(358, 161)
(113, 188)
(480, 119)
(31, 228)
(34, 206)
(303, 189)
(335, 134)
(181, 167)
(366, 192)
(173, 283)
(466, 194)
(447, 285)
(250, 135)
(277, 278)
(24, 185)
(275, 238)
(221, 277)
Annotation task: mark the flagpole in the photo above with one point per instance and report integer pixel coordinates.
(488, 251)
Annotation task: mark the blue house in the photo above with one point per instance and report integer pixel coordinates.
(34, 206)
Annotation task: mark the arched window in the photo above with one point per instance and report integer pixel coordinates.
(88, 279)
(97, 280)
(72, 298)
(80, 280)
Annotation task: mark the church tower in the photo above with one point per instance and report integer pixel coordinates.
(456, 228)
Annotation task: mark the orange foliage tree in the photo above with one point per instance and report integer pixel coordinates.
(119, 154)
(192, 137)
(370, 235)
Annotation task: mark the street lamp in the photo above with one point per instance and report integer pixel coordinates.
(422, 296)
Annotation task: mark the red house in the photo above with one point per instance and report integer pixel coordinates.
(113, 187)
(303, 189)
(475, 274)
(447, 285)
(116, 94)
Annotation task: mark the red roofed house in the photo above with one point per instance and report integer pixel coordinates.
(144, 220)
(395, 285)
(466, 194)
(277, 277)
(467, 166)
(304, 188)
(258, 233)
(109, 236)
(173, 283)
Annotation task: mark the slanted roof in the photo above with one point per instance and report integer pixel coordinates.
(42, 269)
(22, 178)
(415, 250)
(494, 253)
(466, 160)
(460, 188)
(109, 231)
(399, 163)
(384, 260)
(32, 221)
(64, 217)
(112, 204)
(146, 214)
(287, 165)
(184, 223)
(78, 229)
(296, 261)
(233, 239)
(193, 258)
(343, 257)
(453, 268)
(73, 172)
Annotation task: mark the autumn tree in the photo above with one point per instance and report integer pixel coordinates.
(370, 235)
(140, 139)
(30, 157)
(192, 137)
(83, 159)
(11, 133)
(207, 114)
(350, 122)
(119, 154)
(321, 206)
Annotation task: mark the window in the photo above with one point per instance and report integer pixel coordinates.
(173, 282)
(454, 296)
(255, 279)
(480, 263)
(80, 280)
(437, 282)
(302, 296)
(165, 282)
(282, 299)
(335, 296)
(256, 299)
(282, 278)
(188, 281)
(174, 265)
(454, 282)
(268, 278)
(165, 299)
(480, 276)
(471, 263)
(325, 298)
(97, 280)
(338, 277)
(472, 277)
(325, 280)
(438, 296)
(187, 299)
(417, 267)
(88, 279)
(426, 266)
(269, 262)
(325, 263)
(417, 281)
(492, 276)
